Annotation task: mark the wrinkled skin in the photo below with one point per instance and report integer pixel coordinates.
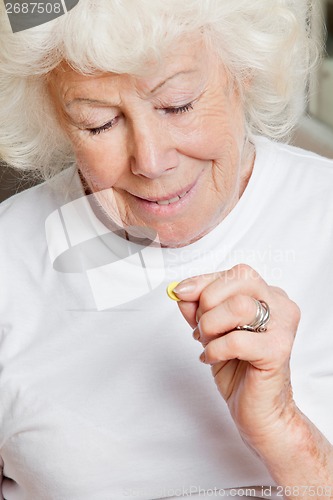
(180, 129)
(250, 369)
(252, 373)
(153, 145)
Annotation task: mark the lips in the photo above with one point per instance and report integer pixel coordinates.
(170, 205)
(171, 200)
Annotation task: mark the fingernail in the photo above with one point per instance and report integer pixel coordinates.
(202, 357)
(197, 316)
(170, 290)
(186, 286)
(196, 334)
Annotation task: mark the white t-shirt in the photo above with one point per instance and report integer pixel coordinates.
(104, 398)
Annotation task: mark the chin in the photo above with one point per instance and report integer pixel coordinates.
(177, 240)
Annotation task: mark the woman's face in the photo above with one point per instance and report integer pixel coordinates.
(170, 145)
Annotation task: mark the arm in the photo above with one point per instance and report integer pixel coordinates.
(252, 373)
(299, 456)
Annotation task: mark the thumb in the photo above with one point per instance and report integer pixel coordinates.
(188, 293)
(189, 311)
(190, 289)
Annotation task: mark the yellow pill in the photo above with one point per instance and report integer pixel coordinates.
(170, 289)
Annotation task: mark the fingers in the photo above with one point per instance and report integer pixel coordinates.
(264, 350)
(215, 304)
(235, 311)
(260, 349)
(209, 290)
(189, 310)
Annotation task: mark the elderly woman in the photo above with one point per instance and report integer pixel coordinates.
(153, 122)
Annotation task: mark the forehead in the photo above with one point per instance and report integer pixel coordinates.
(182, 60)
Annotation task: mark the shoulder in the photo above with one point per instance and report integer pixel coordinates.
(306, 159)
(292, 154)
(23, 218)
(299, 170)
(28, 210)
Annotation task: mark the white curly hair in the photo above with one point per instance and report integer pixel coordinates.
(265, 41)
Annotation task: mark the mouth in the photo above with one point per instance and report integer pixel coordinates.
(169, 200)
(170, 205)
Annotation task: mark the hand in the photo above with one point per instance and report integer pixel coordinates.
(251, 369)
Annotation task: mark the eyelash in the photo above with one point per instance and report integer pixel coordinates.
(173, 110)
(180, 109)
(103, 128)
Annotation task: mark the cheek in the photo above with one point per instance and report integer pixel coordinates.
(210, 137)
(99, 161)
(216, 129)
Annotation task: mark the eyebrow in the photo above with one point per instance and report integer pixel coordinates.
(184, 72)
(99, 102)
(86, 100)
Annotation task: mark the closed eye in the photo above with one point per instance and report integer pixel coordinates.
(176, 110)
(103, 128)
(179, 110)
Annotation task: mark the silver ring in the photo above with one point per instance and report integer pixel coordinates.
(261, 319)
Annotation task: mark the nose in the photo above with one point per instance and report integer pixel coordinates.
(152, 153)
